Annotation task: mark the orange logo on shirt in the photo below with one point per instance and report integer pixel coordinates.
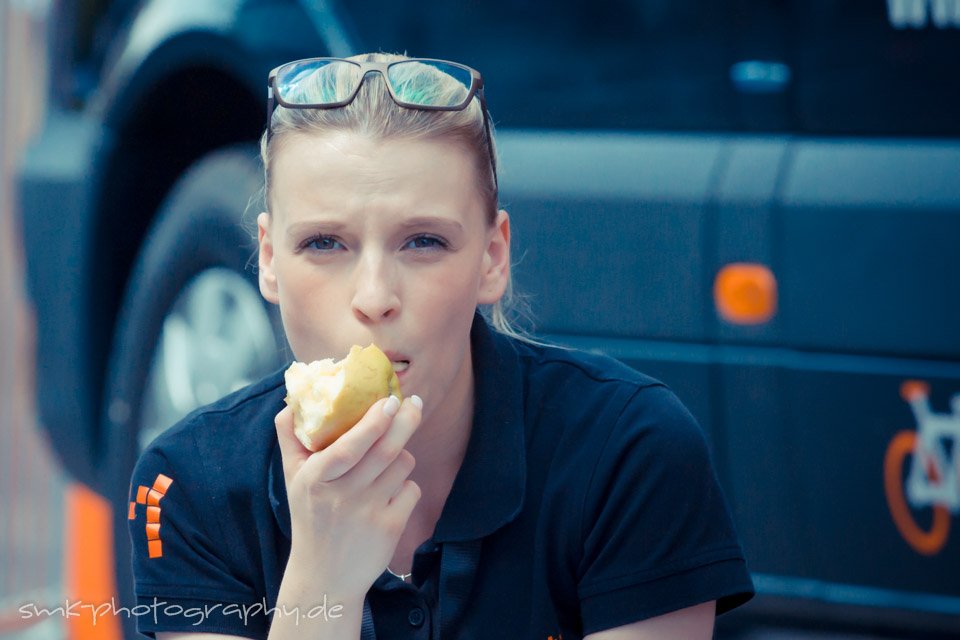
(151, 497)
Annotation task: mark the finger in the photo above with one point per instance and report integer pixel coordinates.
(382, 454)
(389, 483)
(292, 451)
(404, 502)
(346, 451)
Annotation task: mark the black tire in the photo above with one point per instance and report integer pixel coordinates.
(197, 229)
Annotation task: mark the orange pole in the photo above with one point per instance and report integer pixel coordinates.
(88, 565)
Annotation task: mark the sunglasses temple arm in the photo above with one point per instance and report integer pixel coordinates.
(486, 126)
(270, 108)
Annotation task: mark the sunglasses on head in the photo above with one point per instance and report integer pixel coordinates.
(415, 83)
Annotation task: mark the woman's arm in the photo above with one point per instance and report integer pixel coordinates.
(296, 607)
(693, 623)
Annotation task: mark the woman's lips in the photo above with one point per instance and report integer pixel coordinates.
(400, 362)
(402, 374)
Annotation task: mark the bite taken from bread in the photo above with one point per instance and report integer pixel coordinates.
(329, 397)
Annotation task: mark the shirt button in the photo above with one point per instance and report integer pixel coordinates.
(415, 617)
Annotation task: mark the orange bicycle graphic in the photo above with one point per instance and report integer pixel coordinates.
(933, 477)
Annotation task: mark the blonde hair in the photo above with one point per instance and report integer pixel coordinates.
(374, 113)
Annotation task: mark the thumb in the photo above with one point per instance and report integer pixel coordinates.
(292, 451)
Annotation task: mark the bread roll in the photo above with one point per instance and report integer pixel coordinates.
(329, 397)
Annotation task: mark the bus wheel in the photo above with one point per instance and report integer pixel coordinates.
(192, 326)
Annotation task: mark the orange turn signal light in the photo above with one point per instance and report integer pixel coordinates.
(745, 293)
(914, 390)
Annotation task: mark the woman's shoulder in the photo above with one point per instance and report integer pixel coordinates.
(208, 503)
(593, 388)
(235, 432)
(592, 367)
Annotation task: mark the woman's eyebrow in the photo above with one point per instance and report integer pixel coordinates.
(422, 221)
(298, 229)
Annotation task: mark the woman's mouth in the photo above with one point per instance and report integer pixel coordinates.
(400, 362)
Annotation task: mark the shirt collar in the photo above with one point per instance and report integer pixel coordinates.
(488, 491)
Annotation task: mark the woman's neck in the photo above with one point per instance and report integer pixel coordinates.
(440, 443)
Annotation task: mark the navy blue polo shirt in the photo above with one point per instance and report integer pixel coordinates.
(586, 500)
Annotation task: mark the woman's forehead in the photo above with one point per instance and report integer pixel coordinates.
(345, 171)
(348, 150)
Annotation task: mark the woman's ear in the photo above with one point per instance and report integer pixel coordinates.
(496, 261)
(267, 276)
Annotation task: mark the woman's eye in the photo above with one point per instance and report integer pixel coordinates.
(425, 242)
(323, 243)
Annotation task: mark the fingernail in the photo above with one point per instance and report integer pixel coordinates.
(391, 406)
(417, 401)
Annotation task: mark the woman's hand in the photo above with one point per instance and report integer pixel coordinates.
(350, 502)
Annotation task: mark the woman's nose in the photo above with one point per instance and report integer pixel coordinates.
(375, 296)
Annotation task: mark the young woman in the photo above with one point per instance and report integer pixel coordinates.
(519, 491)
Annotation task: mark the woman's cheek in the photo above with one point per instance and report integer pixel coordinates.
(460, 277)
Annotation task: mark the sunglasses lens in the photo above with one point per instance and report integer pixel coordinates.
(317, 82)
(424, 83)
